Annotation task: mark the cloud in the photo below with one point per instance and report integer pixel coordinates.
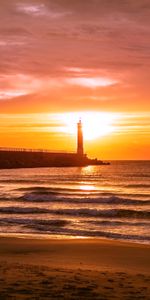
(40, 10)
(32, 9)
(17, 85)
(9, 94)
(6, 43)
(88, 77)
(91, 82)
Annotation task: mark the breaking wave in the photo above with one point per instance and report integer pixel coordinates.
(53, 197)
(63, 222)
(83, 212)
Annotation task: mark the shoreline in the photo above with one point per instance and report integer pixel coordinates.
(100, 253)
(45, 237)
(40, 237)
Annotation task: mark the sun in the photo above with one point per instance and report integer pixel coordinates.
(95, 124)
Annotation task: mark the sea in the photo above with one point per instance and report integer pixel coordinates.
(103, 202)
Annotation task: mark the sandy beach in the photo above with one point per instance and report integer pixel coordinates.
(73, 269)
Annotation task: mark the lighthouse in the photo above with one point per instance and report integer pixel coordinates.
(80, 139)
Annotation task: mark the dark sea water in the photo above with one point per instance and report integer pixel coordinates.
(110, 202)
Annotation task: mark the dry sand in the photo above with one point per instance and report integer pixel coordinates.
(73, 269)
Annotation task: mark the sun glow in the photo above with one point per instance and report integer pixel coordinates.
(95, 124)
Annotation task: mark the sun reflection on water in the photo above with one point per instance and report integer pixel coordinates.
(87, 187)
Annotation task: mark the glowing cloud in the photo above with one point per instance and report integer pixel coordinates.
(91, 82)
(12, 94)
(18, 85)
(31, 9)
(40, 10)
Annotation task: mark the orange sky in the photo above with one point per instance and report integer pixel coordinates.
(75, 57)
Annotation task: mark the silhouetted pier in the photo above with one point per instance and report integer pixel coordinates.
(33, 150)
(36, 158)
(30, 158)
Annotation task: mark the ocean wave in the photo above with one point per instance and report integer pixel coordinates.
(111, 213)
(116, 223)
(87, 233)
(136, 175)
(56, 190)
(63, 222)
(19, 181)
(83, 212)
(52, 197)
(64, 231)
(34, 222)
(23, 210)
(138, 185)
(106, 234)
(36, 189)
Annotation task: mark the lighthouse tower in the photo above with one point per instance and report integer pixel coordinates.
(80, 139)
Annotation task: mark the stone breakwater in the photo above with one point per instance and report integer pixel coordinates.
(36, 159)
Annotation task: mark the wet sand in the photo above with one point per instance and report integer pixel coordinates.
(73, 269)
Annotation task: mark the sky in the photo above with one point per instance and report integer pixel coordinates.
(65, 59)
